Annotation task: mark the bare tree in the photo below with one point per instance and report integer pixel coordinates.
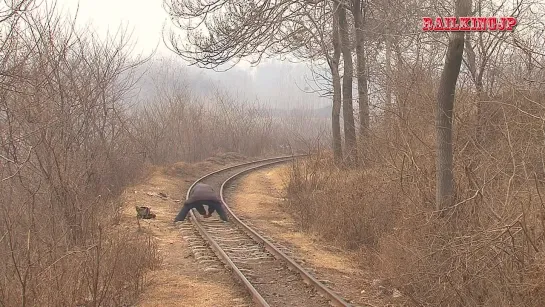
(480, 50)
(358, 8)
(445, 185)
(175, 124)
(337, 99)
(253, 30)
(65, 155)
(348, 110)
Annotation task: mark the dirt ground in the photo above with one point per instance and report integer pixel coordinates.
(178, 281)
(258, 199)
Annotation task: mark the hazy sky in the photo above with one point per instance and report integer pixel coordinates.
(275, 82)
(145, 18)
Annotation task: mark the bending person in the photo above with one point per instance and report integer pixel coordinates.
(202, 194)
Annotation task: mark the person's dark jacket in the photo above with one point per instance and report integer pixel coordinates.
(201, 192)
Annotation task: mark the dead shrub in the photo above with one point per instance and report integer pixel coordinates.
(487, 251)
(337, 203)
(66, 153)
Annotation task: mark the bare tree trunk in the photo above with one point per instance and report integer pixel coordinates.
(481, 113)
(445, 188)
(348, 110)
(485, 48)
(401, 105)
(363, 98)
(336, 111)
(388, 77)
(477, 76)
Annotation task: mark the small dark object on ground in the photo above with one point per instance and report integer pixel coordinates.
(144, 213)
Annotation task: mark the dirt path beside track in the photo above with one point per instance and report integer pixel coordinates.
(178, 281)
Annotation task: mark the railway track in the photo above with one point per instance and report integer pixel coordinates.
(271, 277)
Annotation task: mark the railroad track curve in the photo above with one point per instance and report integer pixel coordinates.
(271, 277)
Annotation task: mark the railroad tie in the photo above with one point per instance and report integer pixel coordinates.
(272, 281)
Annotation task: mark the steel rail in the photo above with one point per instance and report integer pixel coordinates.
(335, 300)
(256, 296)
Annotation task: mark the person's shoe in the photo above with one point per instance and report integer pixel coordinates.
(207, 216)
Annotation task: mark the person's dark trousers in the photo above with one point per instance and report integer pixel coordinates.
(215, 206)
(185, 210)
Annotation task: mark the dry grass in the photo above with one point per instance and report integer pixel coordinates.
(332, 194)
(487, 251)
